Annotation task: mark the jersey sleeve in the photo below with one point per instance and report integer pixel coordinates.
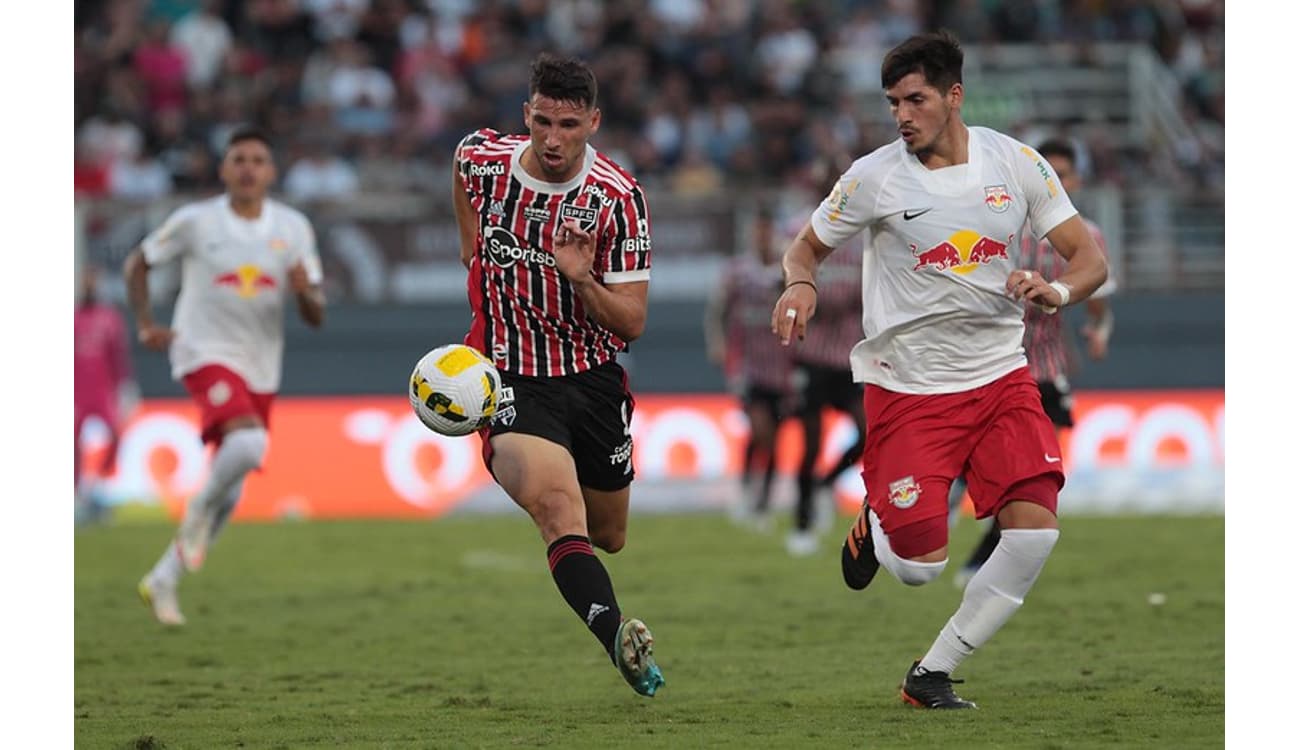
(308, 254)
(172, 239)
(847, 210)
(1048, 203)
(628, 235)
(464, 153)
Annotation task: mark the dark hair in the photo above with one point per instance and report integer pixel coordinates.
(563, 79)
(1058, 147)
(936, 55)
(248, 133)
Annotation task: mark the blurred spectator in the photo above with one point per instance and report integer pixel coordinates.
(161, 67)
(319, 175)
(141, 179)
(204, 38)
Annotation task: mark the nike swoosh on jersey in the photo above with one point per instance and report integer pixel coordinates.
(909, 215)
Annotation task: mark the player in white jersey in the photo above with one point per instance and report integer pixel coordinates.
(948, 390)
(243, 256)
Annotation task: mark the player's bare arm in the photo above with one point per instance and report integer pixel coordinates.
(1098, 328)
(151, 335)
(466, 219)
(798, 303)
(620, 308)
(1086, 272)
(310, 297)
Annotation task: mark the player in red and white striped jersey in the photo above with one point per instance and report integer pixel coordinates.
(1046, 346)
(824, 379)
(757, 367)
(556, 237)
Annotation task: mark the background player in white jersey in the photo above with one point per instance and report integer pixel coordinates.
(556, 237)
(757, 367)
(243, 256)
(1046, 346)
(948, 390)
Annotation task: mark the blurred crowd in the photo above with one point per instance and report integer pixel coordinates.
(372, 95)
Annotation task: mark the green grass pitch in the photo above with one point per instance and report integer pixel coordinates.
(451, 634)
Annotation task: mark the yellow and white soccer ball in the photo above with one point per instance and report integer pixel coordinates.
(454, 390)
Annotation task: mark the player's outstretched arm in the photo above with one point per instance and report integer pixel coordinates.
(136, 271)
(798, 303)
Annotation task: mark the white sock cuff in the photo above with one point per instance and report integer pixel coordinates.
(246, 447)
(915, 573)
(1034, 544)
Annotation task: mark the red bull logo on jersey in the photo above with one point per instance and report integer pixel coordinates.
(903, 493)
(996, 198)
(962, 252)
(247, 280)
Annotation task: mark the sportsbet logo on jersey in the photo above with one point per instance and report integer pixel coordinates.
(963, 252)
(505, 249)
(247, 280)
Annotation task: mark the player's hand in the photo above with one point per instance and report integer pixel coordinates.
(298, 280)
(1032, 287)
(1097, 344)
(156, 337)
(796, 306)
(575, 251)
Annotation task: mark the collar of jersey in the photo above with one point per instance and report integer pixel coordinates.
(952, 180)
(259, 226)
(532, 183)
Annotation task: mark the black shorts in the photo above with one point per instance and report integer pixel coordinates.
(772, 400)
(1058, 401)
(589, 413)
(819, 387)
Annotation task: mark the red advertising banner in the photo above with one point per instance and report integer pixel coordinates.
(370, 457)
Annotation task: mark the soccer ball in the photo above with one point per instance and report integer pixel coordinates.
(454, 390)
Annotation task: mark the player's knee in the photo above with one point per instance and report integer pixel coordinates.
(246, 446)
(553, 512)
(610, 540)
(914, 573)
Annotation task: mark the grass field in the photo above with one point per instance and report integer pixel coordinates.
(451, 634)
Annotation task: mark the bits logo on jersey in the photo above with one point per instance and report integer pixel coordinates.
(996, 198)
(838, 200)
(962, 252)
(247, 280)
(505, 250)
(495, 169)
(903, 493)
(641, 242)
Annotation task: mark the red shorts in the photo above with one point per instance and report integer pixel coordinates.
(997, 435)
(222, 395)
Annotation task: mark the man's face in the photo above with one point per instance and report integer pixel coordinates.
(247, 170)
(1070, 179)
(921, 111)
(559, 131)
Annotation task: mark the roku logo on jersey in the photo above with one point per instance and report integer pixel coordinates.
(505, 250)
(962, 252)
(485, 170)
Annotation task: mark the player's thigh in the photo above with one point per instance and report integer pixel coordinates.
(601, 426)
(539, 475)
(1018, 447)
(915, 447)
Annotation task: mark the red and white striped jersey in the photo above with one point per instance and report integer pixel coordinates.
(837, 325)
(526, 316)
(754, 355)
(1045, 344)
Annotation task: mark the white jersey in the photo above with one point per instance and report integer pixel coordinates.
(941, 244)
(234, 284)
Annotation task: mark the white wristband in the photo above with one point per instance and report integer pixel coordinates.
(1062, 290)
